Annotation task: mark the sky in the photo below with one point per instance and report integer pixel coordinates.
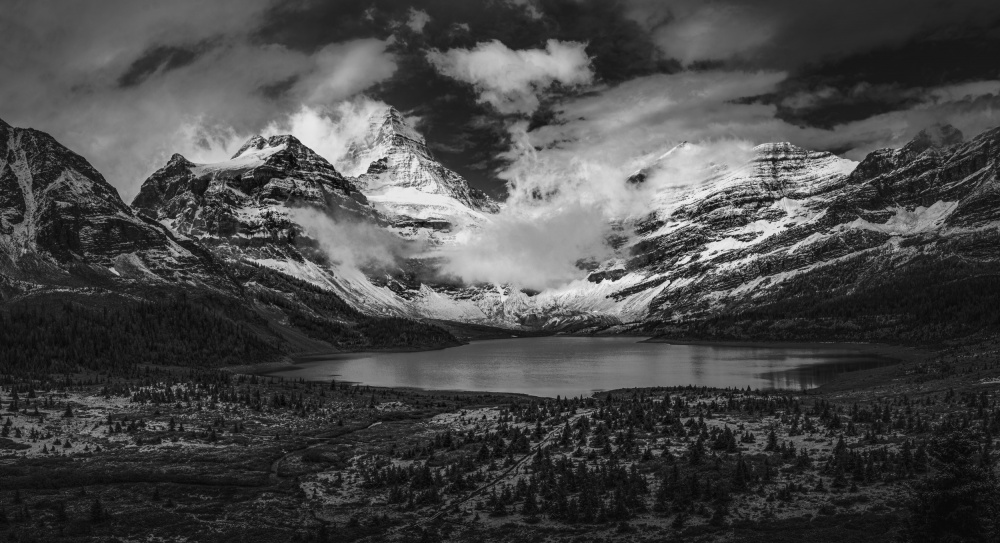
(528, 99)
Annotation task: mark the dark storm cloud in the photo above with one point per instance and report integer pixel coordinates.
(129, 82)
(854, 59)
(621, 49)
(161, 57)
(786, 34)
(892, 78)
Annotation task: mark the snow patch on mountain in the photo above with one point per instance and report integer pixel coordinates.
(910, 221)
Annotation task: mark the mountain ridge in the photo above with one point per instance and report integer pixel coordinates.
(790, 228)
(74, 256)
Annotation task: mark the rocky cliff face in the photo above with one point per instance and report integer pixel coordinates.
(245, 209)
(245, 201)
(795, 223)
(403, 180)
(68, 240)
(62, 223)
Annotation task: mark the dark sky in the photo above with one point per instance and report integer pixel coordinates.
(504, 90)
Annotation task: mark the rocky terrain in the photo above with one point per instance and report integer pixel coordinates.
(402, 179)
(61, 223)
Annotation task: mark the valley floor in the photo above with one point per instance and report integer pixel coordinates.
(174, 454)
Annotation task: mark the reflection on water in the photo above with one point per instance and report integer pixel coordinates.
(571, 366)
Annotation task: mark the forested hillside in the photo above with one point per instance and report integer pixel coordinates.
(174, 326)
(930, 301)
(39, 338)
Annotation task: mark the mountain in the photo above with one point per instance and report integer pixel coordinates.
(87, 281)
(261, 206)
(246, 200)
(903, 246)
(61, 223)
(734, 239)
(790, 244)
(404, 181)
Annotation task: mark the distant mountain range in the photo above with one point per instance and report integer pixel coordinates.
(791, 244)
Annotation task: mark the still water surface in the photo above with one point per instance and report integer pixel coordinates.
(571, 366)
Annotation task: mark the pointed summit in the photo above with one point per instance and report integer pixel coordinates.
(393, 125)
(397, 171)
(265, 172)
(388, 132)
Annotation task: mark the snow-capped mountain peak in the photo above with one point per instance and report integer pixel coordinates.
(401, 177)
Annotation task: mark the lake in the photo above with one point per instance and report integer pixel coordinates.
(571, 366)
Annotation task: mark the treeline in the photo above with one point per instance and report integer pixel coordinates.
(180, 330)
(932, 301)
(323, 315)
(192, 329)
(373, 332)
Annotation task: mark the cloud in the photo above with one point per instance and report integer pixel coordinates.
(788, 33)
(510, 80)
(418, 20)
(329, 131)
(714, 31)
(598, 140)
(343, 69)
(533, 248)
(631, 123)
(355, 244)
(128, 85)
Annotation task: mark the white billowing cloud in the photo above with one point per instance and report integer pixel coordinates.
(533, 248)
(343, 69)
(355, 244)
(689, 164)
(418, 20)
(602, 138)
(567, 180)
(510, 80)
(567, 183)
(329, 131)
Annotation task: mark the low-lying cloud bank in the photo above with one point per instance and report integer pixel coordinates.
(532, 248)
(354, 243)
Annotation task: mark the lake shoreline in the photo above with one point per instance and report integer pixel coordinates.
(576, 365)
(902, 353)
